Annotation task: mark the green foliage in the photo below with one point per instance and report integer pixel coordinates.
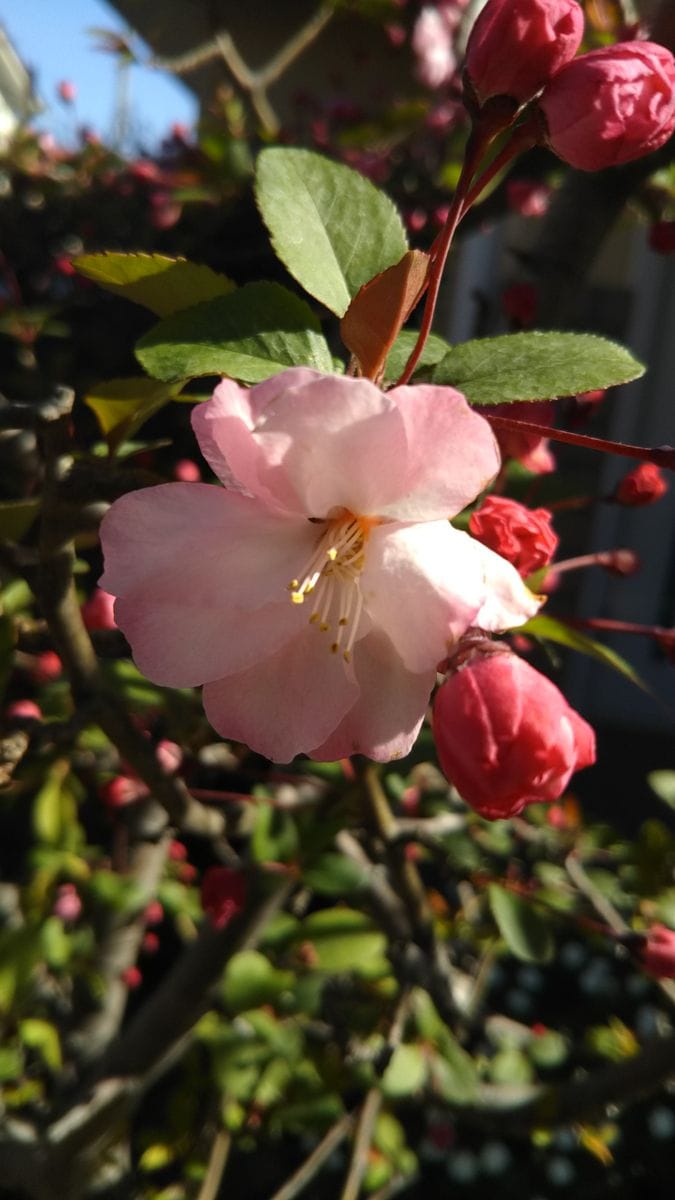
(345, 940)
(526, 932)
(435, 349)
(164, 285)
(122, 406)
(251, 980)
(254, 333)
(17, 517)
(535, 366)
(550, 629)
(330, 227)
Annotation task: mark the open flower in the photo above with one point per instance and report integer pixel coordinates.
(314, 594)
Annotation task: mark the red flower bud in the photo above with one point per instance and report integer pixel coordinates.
(612, 105)
(223, 895)
(523, 536)
(154, 913)
(66, 91)
(132, 977)
(657, 953)
(97, 611)
(506, 736)
(23, 710)
(643, 485)
(528, 197)
(515, 46)
(187, 471)
(46, 667)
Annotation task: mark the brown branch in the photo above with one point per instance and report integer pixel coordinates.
(216, 1167)
(313, 1164)
(362, 1143)
(254, 83)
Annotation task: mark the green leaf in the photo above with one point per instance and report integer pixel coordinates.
(19, 953)
(663, 783)
(44, 1038)
(345, 940)
(55, 806)
(435, 349)
(526, 933)
(331, 227)
(535, 366)
(156, 1157)
(275, 835)
(55, 943)
(551, 630)
(164, 285)
(123, 405)
(510, 1066)
(251, 980)
(260, 330)
(16, 518)
(406, 1072)
(334, 875)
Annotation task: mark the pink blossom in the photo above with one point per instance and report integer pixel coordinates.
(66, 91)
(67, 905)
(314, 594)
(611, 106)
(527, 197)
(432, 43)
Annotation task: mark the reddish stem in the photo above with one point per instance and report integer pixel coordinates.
(663, 456)
(610, 625)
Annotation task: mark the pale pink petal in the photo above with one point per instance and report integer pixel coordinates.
(225, 429)
(386, 718)
(508, 602)
(201, 545)
(452, 454)
(179, 643)
(346, 444)
(423, 585)
(287, 704)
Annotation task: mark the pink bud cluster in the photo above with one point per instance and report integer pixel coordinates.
(597, 110)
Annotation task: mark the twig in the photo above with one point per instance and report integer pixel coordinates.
(253, 82)
(185, 993)
(362, 1143)
(412, 892)
(313, 1164)
(216, 1167)
(607, 911)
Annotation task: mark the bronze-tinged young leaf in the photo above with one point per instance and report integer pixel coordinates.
(331, 228)
(259, 330)
(123, 405)
(164, 285)
(535, 366)
(552, 630)
(380, 308)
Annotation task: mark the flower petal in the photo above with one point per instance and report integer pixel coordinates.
(288, 703)
(386, 718)
(203, 545)
(508, 602)
(452, 454)
(346, 444)
(423, 585)
(180, 644)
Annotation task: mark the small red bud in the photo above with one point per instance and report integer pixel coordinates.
(523, 536)
(657, 952)
(23, 710)
(150, 943)
(47, 667)
(177, 851)
(223, 895)
(132, 978)
(645, 484)
(154, 913)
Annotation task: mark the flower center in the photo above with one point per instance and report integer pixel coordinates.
(331, 578)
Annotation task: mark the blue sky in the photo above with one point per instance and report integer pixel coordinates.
(51, 37)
